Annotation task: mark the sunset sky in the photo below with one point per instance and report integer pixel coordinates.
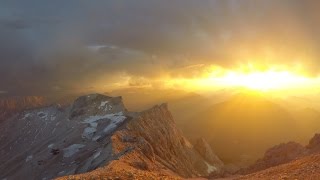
(80, 45)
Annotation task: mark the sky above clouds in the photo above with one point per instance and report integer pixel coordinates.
(79, 45)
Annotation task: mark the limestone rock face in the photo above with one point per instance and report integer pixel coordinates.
(97, 137)
(207, 153)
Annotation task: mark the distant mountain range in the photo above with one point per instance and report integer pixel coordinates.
(242, 127)
(287, 161)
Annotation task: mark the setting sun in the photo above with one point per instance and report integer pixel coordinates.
(275, 80)
(264, 81)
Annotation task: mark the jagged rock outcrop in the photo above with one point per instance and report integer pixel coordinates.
(204, 149)
(279, 154)
(97, 136)
(160, 140)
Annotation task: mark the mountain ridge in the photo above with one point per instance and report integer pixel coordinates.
(98, 132)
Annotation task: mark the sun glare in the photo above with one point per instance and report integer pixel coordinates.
(264, 81)
(276, 81)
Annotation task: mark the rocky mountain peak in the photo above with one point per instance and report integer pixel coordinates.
(154, 135)
(96, 104)
(97, 132)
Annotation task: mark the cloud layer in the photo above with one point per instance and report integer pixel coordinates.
(52, 46)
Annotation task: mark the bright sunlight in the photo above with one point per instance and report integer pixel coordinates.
(267, 80)
(264, 81)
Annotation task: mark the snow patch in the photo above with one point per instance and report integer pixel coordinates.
(50, 146)
(112, 116)
(61, 173)
(27, 115)
(52, 118)
(109, 128)
(210, 168)
(109, 107)
(29, 158)
(42, 115)
(72, 149)
(96, 138)
(115, 121)
(97, 154)
(94, 125)
(103, 104)
(88, 132)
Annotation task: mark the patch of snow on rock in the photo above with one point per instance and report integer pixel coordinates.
(103, 104)
(72, 149)
(50, 146)
(97, 154)
(108, 108)
(42, 115)
(52, 118)
(88, 132)
(96, 138)
(94, 125)
(115, 121)
(210, 168)
(112, 117)
(27, 115)
(29, 158)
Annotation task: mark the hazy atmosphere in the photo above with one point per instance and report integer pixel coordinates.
(160, 89)
(63, 46)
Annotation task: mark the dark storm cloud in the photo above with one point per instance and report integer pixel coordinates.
(56, 45)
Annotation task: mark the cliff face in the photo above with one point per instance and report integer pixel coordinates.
(154, 135)
(97, 136)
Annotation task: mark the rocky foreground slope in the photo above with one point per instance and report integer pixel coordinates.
(304, 168)
(97, 137)
(284, 161)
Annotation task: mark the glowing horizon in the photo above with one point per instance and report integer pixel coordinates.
(266, 80)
